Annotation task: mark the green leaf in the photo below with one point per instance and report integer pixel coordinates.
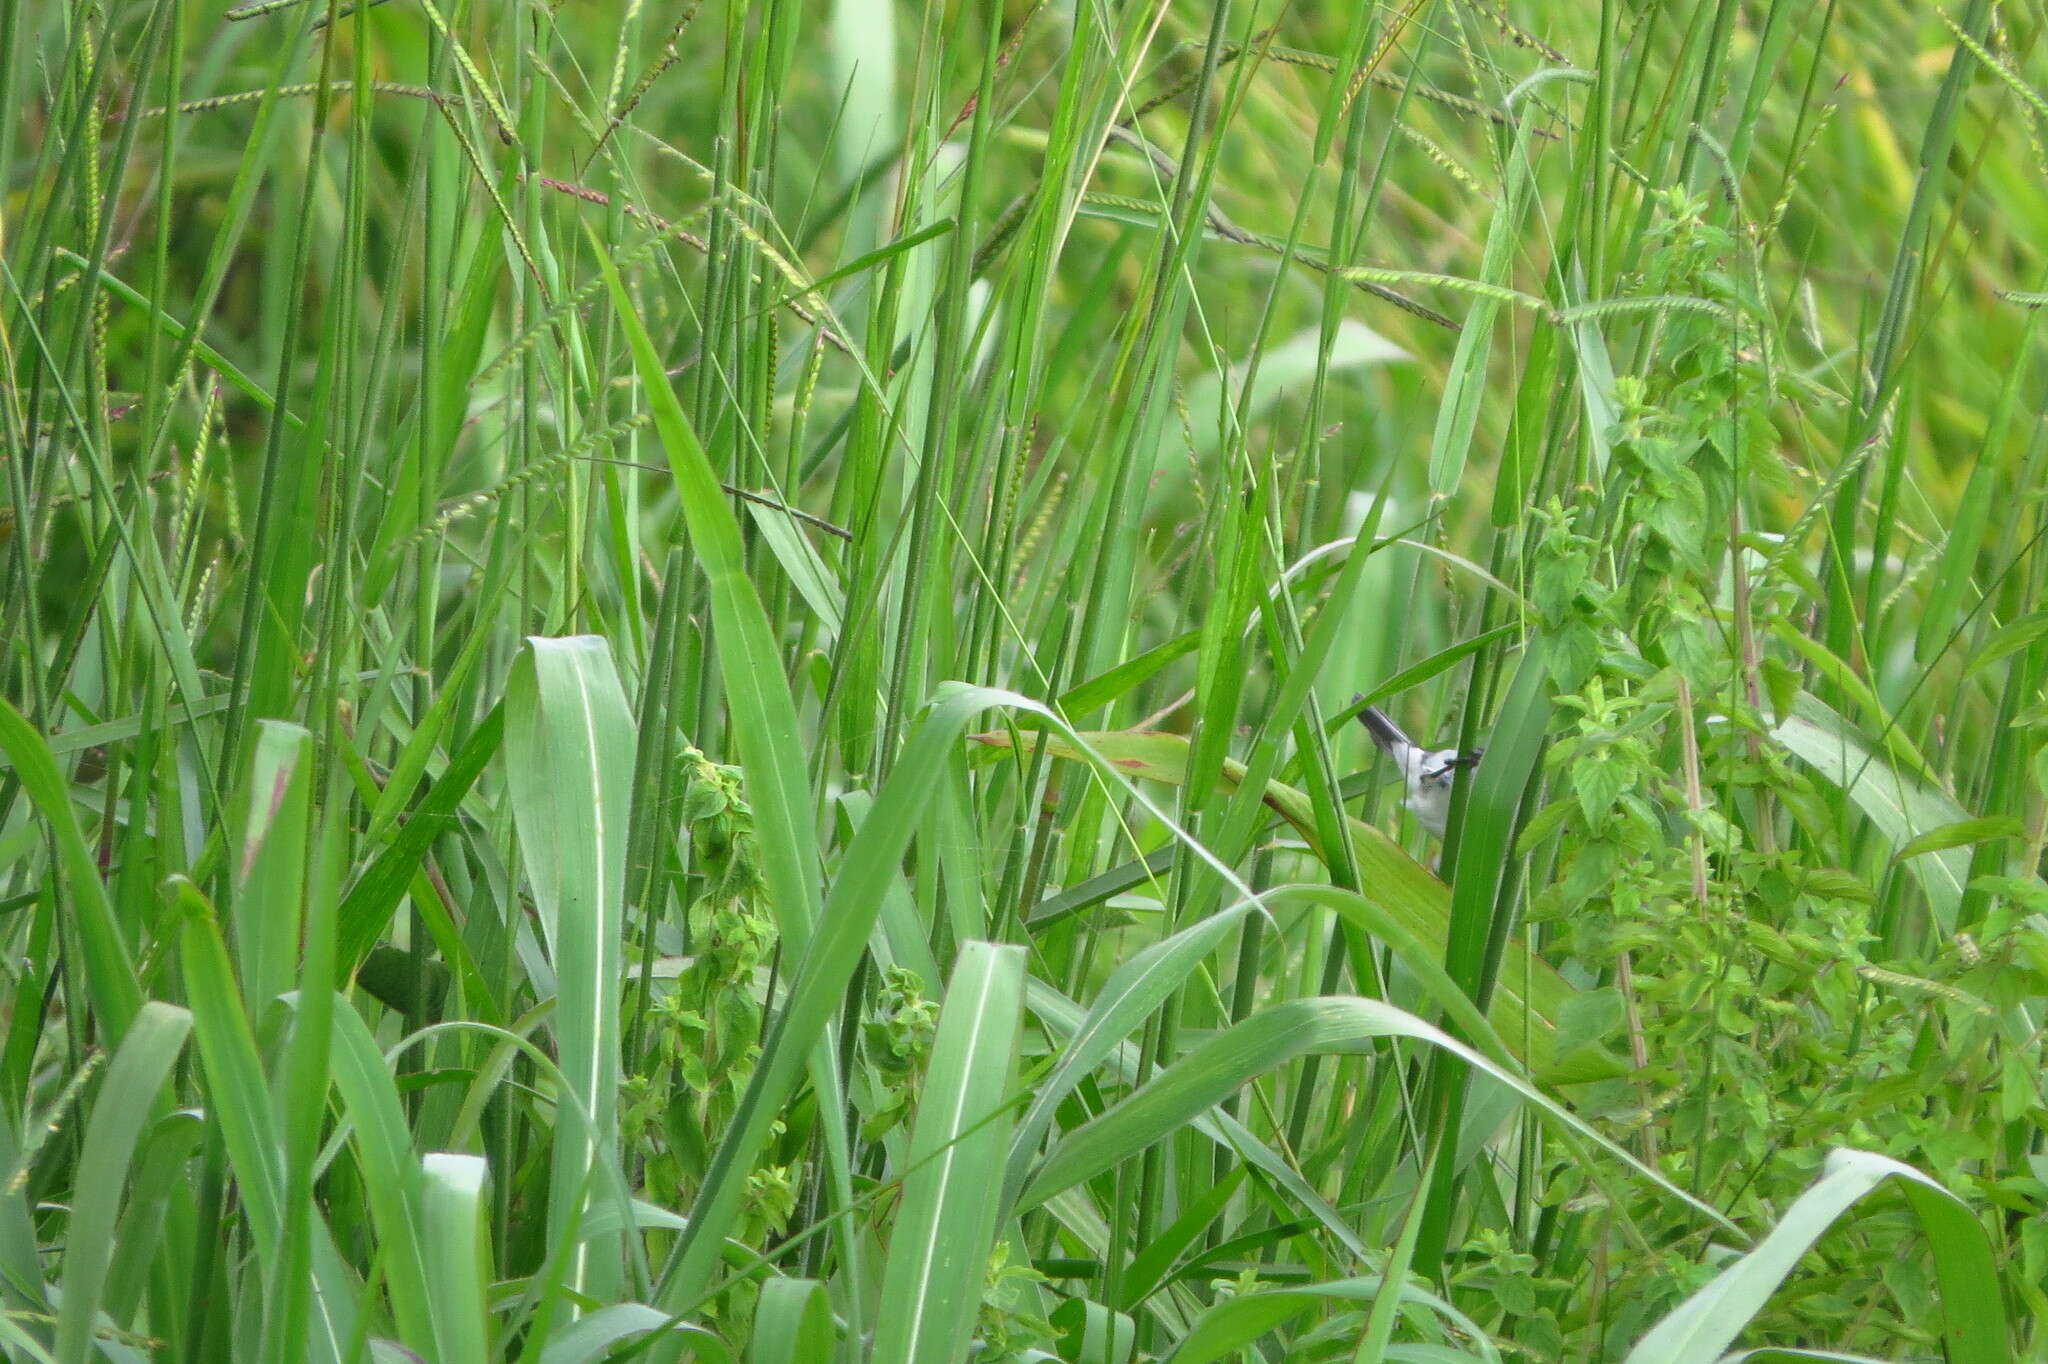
(764, 720)
(1973, 1317)
(458, 1255)
(390, 1173)
(367, 909)
(109, 970)
(1962, 834)
(1458, 414)
(1598, 783)
(1235, 1323)
(1094, 1333)
(1100, 690)
(803, 565)
(2020, 634)
(270, 868)
(128, 1099)
(939, 1249)
(792, 1323)
(570, 742)
(1220, 1066)
(1903, 809)
(590, 1339)
(238, 1094)
(1130, 995)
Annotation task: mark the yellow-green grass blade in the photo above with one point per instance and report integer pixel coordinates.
(1902, 807)
(764, 720)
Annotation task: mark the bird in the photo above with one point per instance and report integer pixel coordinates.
(1428, 772)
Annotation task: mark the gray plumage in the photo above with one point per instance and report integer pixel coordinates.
(1426, 772)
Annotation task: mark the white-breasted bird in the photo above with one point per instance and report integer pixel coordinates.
(1427, 772)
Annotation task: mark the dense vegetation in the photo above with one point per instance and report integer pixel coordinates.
(678, 681)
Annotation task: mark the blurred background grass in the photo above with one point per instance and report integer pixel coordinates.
(1679, 363)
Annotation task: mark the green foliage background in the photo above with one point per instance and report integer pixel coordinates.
(678, 681)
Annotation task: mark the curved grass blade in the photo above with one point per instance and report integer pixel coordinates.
(590, 1339)
(458, 1256)
(1902, 808)
(1973, 1317)
(126, 1103)
(1220, 1066)
(1127, 998)
(238, 1094)
(1235, 1323)
(939, 1248)
(763, 712)
(792, 1323)
(1063, 1017)
(571, 742)
(109, 971)
(390, 1172)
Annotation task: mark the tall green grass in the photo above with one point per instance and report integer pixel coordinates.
(677, 682)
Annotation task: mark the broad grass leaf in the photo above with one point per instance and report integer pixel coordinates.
(1902, 808)
(458, 1256)
(1218, 1067)
(1973, 1317)
(1133, 990)
(1236, 1323)
(127, 1100)
(270, 858)
(570, 747)
(939, 1248)
(390, 1171)
(1063, 1018)
(592, 1338)
(792, 1323)
(108, 969)
(1094, 1332)
(239, 1093)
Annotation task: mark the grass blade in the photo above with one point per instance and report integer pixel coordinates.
(938, 1253)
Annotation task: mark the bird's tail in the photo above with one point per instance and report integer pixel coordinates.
(1384, 732)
